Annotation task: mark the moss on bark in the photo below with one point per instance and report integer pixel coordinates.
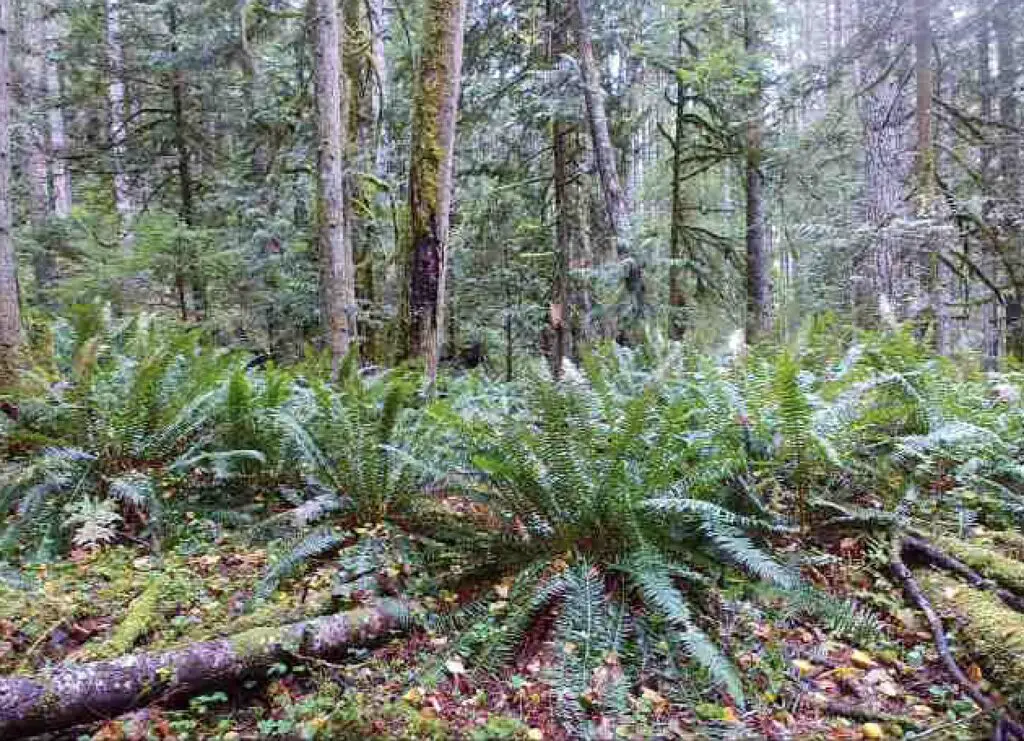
(992, 632)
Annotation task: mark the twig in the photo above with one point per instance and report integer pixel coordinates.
(914, 591)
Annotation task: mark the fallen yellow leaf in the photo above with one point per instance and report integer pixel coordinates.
(872, 731)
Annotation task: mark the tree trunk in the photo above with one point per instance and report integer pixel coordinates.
(879, 286)
(10, 314)
(72, 694)
(758, 322)
(562, 133)
(190, 273)
(337, 271)
(117, 120)
(923, 75)
(365, 74)
(53, 31)
(604, 158)
(430, 178)
(34, 150)
(1009, 165)
(676, 292)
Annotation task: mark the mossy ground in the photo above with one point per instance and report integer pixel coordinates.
(97, 604)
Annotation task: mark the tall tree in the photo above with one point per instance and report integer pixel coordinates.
(53, 30)
(605, 160)
(758, 321)
(676, 290)
(337, 270)
(882, 108)
(1009, 168)
(10, 310)
(117, 117)
(35, 158)
(435, 107)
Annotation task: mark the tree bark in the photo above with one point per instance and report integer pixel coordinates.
(676, 291)
(34, 149)
(10, 314)
(923, 75)
(1009, 164)
(117, 120)
(365, 73)
(71, 694)
(758, 321)
(191, 273)
(337, 270)
(435, 107)
(879, 285)
(605, 159)
(61, 174)
(563, 133)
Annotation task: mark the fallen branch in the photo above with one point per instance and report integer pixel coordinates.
(71, 694)
(864, 714)
(944, 561)
(914, 591)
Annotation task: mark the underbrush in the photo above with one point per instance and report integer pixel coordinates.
(659, 541)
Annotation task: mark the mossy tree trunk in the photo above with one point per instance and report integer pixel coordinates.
(435, 109)
(758, 323)
(10, 314)
(71, 694)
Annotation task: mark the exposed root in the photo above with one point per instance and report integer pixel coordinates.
(914, 591)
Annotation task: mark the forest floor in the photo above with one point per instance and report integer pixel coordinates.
(805, 680)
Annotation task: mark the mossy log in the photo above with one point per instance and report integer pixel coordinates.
(992, 632)
(72, 694)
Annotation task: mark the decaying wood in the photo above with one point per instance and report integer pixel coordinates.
(71, 694)
(917, 595)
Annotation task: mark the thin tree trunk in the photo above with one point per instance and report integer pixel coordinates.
(561, 132)
(676, 292)
(604, 157)
(986, 155)
(117, 120)
(10, 314)
(758, 322)
(53, 29)
(1009, 164)
(72, 694)
(34, 145)
(337, 271)
(430, 178)
(186, 188)
(365, 74)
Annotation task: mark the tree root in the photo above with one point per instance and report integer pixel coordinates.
(72, 694)
(1005, 724)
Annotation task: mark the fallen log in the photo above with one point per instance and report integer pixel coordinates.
(1004, 724)
(937, 557)
(71, 694)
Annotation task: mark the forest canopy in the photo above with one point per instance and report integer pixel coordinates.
(493, 369)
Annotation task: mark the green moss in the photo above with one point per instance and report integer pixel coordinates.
(992, 632)
(988, 561)
(255, 642)
(140, 618)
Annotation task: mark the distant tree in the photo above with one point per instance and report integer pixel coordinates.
(10, 314)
